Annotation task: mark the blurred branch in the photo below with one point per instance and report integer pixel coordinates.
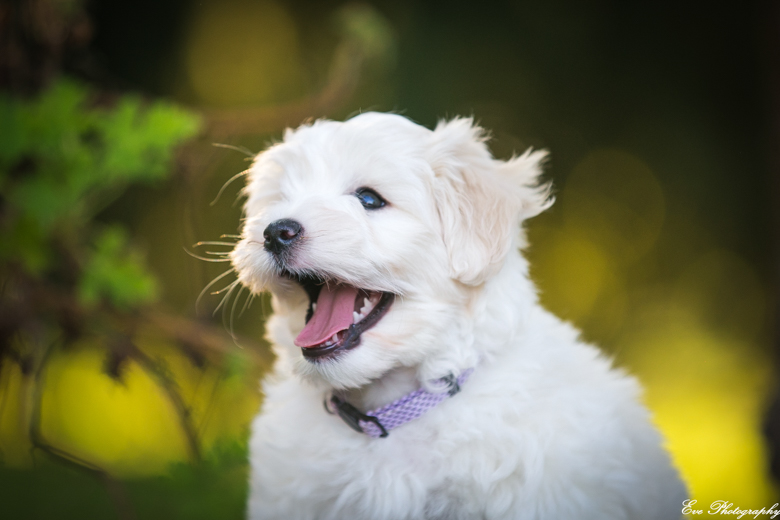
(115, 488)
(343, 80)
(201, 338)
(366, 37)
(172, 392)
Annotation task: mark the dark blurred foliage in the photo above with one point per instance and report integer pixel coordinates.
(214, 489)
(67, 151)
(662, 122)
(38, 39)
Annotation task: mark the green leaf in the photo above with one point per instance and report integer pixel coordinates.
(116, 273)
(61, 160)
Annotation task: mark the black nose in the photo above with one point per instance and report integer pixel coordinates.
(282, 234)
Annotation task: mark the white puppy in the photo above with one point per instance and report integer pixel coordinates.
(392, 253)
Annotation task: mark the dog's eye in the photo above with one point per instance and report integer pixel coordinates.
(369, 198)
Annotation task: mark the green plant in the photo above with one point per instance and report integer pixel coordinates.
(61, 162)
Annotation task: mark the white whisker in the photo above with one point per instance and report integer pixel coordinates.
(211, 243)
(228, 286)
(233, 311)
(211, 283)
(228, 183)
(193, 255)
(226, 297)
(242, 149)
(247, 303)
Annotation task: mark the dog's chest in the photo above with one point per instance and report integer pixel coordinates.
(320, 466)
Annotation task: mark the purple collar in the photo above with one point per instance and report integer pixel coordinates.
(377, 423)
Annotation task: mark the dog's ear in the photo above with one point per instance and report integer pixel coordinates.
(481, 201)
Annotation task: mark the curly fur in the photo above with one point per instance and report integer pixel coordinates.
(546, 427)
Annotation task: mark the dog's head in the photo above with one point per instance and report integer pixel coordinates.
(373, 235)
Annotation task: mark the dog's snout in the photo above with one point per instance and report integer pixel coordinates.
(281, 234)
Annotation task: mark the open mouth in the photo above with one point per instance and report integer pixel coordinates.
(338, 314)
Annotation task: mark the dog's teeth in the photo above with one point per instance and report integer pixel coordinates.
(355, 317)
(335, 337)
(314, 307)
(368, 306)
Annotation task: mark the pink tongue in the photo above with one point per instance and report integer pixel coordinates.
(335, 305)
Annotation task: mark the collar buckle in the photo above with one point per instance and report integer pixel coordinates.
(352, 416)
(452, 383)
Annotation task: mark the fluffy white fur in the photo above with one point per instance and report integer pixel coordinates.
(545, 428)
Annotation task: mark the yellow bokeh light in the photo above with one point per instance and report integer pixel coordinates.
(243, 53)
(614, 199)
(126, 427)
(693, 339)
(705, 395)
(574, 272)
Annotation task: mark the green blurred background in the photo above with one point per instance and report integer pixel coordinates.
(661, 246)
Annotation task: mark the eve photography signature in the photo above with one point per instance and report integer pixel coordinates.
(724, 507)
